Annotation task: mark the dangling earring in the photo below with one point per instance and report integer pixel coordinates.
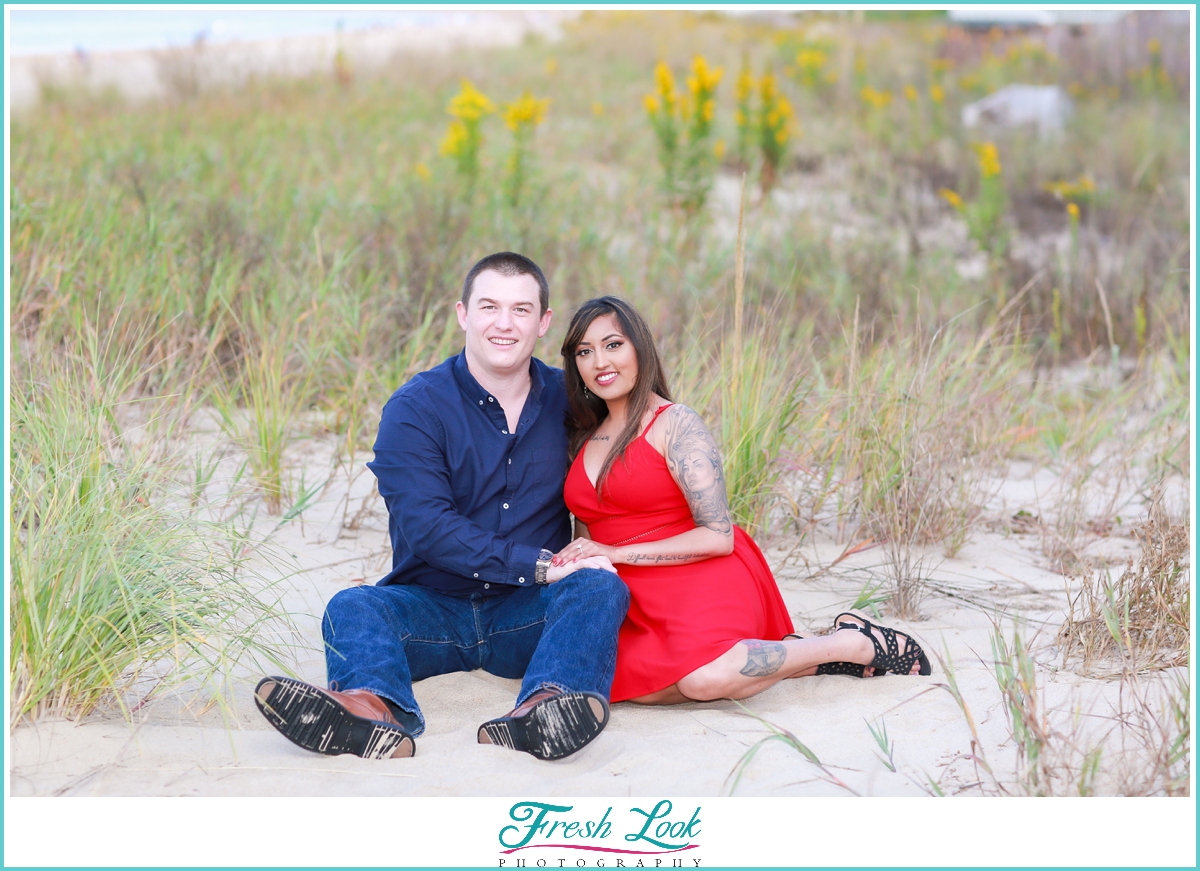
(587, 395)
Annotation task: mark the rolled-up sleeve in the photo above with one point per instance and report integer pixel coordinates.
(413, 467)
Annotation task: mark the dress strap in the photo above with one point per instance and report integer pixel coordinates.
(657, 412)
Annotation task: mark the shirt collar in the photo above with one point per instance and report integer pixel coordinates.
(475, 392)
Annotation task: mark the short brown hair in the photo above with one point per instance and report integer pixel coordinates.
(508, 263)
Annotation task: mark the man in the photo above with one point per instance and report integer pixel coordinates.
(471, 458)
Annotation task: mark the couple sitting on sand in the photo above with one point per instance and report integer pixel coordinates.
(657, 599)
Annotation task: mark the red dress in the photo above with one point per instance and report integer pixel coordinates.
(680, 617)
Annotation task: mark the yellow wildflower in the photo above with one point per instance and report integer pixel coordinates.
(989, 158)
(598, 109)
(652, 105)
(551, 65)
(877, 99)
(455, 139)
(811, 59)
(941, 64)
(1069, 190)
(469, 104)
(422, 171)
(665, 84)
(1073, 211)
(528, 111)
(781, 136)
(937, 94)
(703, 79)
(708, 109)
(719, 148)
(910, 93)
(745, 84)
(951, 197)
(1153, 46)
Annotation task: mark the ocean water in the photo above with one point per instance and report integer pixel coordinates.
(51, 31)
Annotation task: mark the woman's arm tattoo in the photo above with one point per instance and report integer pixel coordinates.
(695, 463)
(635, 558)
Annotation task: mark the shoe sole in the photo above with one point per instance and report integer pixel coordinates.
(553, 729)
(311, 719)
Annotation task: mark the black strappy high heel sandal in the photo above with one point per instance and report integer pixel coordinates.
(890, 658)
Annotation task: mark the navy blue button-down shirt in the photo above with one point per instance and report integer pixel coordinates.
(470, 504)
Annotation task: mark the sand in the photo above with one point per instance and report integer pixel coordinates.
(684, 751)
(175, 750)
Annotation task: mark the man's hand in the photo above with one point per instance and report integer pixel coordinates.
(557, 573)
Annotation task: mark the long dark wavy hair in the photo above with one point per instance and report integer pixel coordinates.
(587, 410)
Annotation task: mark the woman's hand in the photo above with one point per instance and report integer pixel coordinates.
(583, 548)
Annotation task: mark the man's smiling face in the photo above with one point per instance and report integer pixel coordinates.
(503, 322)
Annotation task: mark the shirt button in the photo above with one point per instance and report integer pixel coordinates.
(475, 575)
(505, 504)
(490, 399)
(510, 461)
(481, 402)
(522, 580)
(504, 431)
(487, 586)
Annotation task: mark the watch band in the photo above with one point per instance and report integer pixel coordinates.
(543, 566)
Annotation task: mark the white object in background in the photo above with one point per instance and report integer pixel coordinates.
(1044, 107)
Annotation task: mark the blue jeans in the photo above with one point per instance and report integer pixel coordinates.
(562, 636)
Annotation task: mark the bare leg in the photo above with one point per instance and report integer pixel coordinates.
(753, 665)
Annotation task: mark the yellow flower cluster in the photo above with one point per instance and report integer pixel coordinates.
(703, 80)
(744, 86)
(875, 99)
(526, 112)
(469, 104)
(456, 139)
(1070, 190)
(811, 60)
(937, 94)
(777, 111)
(1073, 211)
(910, 93)
(664, 98)
(952, 198)
(1031, 50)
(989, 158)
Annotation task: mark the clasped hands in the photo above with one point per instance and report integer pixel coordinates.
(582, 553)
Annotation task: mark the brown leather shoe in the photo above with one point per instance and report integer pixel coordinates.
(323, 721)
(549, 725)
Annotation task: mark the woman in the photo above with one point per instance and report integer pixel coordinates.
(647, 490)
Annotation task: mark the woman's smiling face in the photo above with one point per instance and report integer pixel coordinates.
(606, 359)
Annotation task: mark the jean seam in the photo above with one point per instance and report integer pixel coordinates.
(541, 622)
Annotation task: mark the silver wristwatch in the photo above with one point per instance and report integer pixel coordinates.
(543, 566)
